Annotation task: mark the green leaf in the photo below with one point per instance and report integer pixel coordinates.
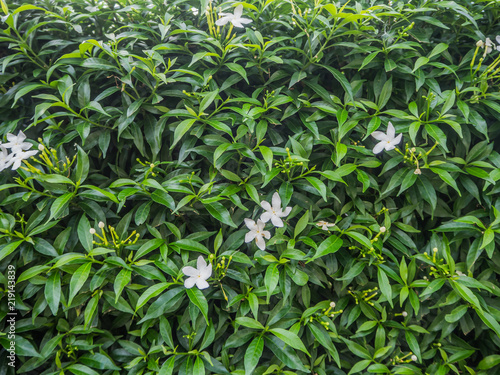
(301, 224)
(249, 322)
(271, 279)
(52, 291)
(318, 185)
(329, 246)
(197, 297)
(191, 245)
(60, 205)
(218, 211)
(151, 292)
(290, 338)
(84, 233)
(7, 249)
(324, 339)
(253, 354)
(182, 129)
(78, 280)
(121, 280)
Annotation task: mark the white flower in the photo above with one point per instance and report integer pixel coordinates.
(235, 18)
(198, 275)
(324, 224)
(20, 156)
(5, 158)
(274, 213)
(388, 141)
(257, 232)
(16, 142)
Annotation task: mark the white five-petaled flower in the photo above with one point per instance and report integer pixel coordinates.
(257, 232)
(5, 158)
(274, 212)
(19, 156)
(388, 141)
(488, 45)
(16, 142)
(324, 224)
(198, 275)
(19, 150)
(235, 18)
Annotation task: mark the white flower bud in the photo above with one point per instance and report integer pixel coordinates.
(41, 147)
(414, 358)
(332, 305)
(92, 231)
(101, 224)
(382, 229)
(405, 314)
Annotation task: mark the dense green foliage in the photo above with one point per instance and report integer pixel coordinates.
(171, 131)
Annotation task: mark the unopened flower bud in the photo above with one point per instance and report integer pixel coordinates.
(332, 305)
(92, 231)
(414, 358)
(41, 147)
(382, 229)
(101, 224)
(405, 314)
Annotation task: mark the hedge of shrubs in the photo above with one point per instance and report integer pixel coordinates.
(260, 187)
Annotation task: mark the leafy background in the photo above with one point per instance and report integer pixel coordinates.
(172, 131)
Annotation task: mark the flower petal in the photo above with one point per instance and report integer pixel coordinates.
(250, 236)
(189, 283)
(238, 11)
(379, 136)
(202, 284)
(223, 20)
(277, 222)
(391, 132)
(190, 271)
(236, 22)
(266, 206)
(261, 244)
(266, 234)
(286, 212)
(396, 140)
(276, 202)
(250, 224)
(244, 20)
(17, 164)
(260, 225)
(379, 147)
(206, 272)
(200, 263)
(266, 216)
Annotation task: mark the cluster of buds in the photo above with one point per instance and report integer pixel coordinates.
(115, 239)
(404, 359)
(221, 267)
(289, 163)
(439, 269)
(149, 167)
(48, 157)
(413, 156)
(329, 313)
(365, 295)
